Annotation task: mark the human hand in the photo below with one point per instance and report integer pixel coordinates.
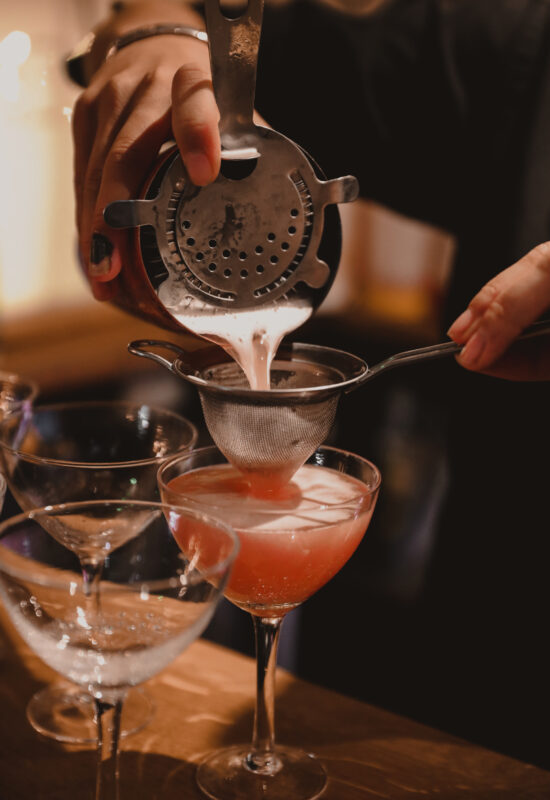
(149, 92)
(499, 313)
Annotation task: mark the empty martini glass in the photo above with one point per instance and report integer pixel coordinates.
(294, 537)
(81, 451)
(153, 599)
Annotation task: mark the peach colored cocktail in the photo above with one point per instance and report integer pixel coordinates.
(293, 540)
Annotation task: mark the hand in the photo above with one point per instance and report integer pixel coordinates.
(149, 92)
(498, 314)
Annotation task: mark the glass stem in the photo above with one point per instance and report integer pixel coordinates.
(91, 580)
(108, 737)
(263, 759)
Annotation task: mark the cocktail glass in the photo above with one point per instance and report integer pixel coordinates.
(81, 451)
(151, 600)
(293, 540)
(16, 393)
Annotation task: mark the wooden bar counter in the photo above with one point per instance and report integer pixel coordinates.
(205, 700)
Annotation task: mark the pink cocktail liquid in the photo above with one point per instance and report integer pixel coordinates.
(293, 540)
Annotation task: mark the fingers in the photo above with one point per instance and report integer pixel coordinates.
(526, 360)
(84, 129)
(119, 126)
(118, 131)
(195, 119)
(501, 310)
(131, 153)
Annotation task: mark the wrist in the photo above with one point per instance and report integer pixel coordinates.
(127, 15)
(128, 18)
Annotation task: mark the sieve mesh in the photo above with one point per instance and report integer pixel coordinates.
(274, 440)
(269, 433)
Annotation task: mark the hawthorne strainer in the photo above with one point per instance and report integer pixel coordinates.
(266, 229)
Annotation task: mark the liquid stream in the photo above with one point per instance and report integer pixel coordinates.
(250, 337)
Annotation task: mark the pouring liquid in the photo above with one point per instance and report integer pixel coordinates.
(250, 337)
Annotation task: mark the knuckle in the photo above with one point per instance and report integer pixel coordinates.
(119, 155)
(128, 148)
(195, 129)
(542, 255)
(495, 314)
(122, 168)
(160, 74)
(190, 74)
(484, 298)
(115, 92)
(125, 160)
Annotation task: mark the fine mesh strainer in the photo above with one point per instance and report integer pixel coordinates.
(273, 432)
(270, 433)
(266, 231)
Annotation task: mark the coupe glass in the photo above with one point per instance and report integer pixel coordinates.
(16, 393)
(294, 539)
(150, 602)
(88, 451)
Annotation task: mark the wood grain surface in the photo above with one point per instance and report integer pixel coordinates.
(204, 700)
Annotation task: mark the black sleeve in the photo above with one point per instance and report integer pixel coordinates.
(424, 101)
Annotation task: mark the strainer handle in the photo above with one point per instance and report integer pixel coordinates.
(408, 356)
(234, 45)
(540, 328)
(138, 348)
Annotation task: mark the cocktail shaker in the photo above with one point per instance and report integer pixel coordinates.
(265, 232)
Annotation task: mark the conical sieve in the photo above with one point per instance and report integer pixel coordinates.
(272, 433)
(267, 433)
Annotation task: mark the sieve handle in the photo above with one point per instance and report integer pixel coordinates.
(138, 348)
(439, 350)
(234, 45)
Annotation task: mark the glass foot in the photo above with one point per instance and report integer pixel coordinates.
(224, 775)
(67, 714)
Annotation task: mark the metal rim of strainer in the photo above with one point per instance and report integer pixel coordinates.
(191, 366)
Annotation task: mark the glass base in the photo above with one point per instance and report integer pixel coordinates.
(67, 714)
(225, 775)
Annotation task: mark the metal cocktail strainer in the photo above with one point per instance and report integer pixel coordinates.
(257, 235)
(274, 432)
(271, 433)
